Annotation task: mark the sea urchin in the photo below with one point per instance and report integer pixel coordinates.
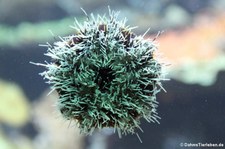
(105, 75)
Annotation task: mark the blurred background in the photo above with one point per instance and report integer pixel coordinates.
(192, 42)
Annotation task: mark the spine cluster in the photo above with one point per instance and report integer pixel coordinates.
(105, 75)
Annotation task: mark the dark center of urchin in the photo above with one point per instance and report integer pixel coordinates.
(104, 78)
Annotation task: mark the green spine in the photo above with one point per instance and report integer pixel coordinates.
(105, 75)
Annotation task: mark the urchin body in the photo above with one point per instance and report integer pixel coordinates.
(105, 75)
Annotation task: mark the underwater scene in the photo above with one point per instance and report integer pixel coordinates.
(122, 74)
